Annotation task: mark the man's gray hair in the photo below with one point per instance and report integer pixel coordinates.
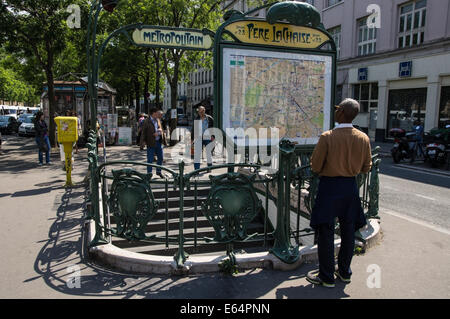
(350, 107)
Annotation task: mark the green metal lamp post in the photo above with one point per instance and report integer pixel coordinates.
(92, 74)
(96, 8)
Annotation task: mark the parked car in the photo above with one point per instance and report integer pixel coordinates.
(23, 116)
(8, 124)
(26, 128)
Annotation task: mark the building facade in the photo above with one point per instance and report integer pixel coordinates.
(394, 58)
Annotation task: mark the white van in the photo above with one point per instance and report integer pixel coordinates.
(9, 110)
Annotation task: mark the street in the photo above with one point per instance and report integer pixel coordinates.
(43, 244)
(414, 193)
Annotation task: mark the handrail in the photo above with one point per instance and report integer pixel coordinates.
(134, 205)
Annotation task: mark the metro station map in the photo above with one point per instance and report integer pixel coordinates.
(274, 89)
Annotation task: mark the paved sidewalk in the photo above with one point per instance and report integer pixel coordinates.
(42, 240)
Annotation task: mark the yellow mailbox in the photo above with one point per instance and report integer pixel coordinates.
(67, 135)
(67, 129)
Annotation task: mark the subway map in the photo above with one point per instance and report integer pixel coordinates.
(271, 89)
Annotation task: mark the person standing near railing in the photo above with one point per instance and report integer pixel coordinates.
(340, 155)
(152, 138)
(204, 122)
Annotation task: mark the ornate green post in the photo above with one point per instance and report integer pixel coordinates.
(181, 255)
(282, 247)
(92, 75)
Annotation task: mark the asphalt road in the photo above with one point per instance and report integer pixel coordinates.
(42, 243)
(415, 193)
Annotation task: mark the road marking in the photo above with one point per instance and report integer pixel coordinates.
(426, 197)
(417, 221)
(421, 170)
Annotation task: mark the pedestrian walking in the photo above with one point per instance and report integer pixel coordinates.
(340, 155)
(205, 121)
(151, 137)
(42, 139)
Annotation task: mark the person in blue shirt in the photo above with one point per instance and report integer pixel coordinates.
(418, 127)
(152, 137)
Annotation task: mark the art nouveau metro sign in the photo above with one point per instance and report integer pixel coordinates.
(175, 38)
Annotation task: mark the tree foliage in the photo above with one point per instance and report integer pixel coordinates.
(37, 30)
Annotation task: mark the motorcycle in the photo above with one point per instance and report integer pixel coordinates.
(437, 150)
(402, 144)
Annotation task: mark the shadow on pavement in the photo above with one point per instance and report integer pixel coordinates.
(64, 266)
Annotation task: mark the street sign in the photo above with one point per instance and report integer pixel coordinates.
(405, 69)
(278, 34)
(173, 38)
(363, 74)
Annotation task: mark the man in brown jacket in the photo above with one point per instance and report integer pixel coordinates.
(152, 137)
(339, 156)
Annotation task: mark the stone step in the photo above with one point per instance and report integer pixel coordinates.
(160, 193)
(204, 249)
(188, 233)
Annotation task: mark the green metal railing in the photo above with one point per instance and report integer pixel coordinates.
(237, 194)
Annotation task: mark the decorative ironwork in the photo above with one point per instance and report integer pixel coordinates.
(374, 191)
(231, 205)
(132, 203)
(296, 13)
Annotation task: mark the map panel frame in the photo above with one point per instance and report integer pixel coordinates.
(289, 56)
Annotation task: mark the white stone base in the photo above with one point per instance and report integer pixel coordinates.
(130, 262)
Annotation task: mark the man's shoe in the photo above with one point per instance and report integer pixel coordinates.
(40, 164)
(342, 278)
(319, 282)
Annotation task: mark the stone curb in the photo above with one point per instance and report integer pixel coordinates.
(136, 263)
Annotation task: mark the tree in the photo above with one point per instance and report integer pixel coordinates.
(194, 14)
(13, 85)
(37, 28)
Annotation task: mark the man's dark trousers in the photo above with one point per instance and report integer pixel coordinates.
(337, 197)
(151, 151)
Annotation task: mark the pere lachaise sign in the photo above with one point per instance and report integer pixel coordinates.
(279, 34)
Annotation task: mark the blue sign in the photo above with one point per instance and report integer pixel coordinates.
(363, 74)
(405, 69)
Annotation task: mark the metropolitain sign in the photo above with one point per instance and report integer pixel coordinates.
(285, 35)
(173, 38)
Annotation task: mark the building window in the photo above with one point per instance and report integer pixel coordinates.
(405, 107)
(336, 35)
(367, 38)
(412, 23)
(444, 110)
(332, 2)
(367, 96)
